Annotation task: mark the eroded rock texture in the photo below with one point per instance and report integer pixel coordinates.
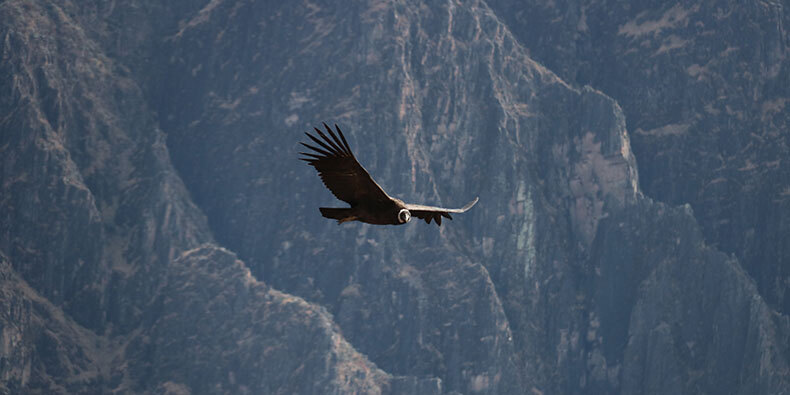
(705, 88)
(159, 235)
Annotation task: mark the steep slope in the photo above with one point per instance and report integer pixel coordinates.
(385, 295)
(705, 87)
(92, 216)
(90, 202)
(42, 349)
(693, 321)
(441, 103)
(563, 279)
(257, 340)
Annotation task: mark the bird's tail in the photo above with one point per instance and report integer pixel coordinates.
(340, 214)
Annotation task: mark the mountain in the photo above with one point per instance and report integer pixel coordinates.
(704, 87)
(158, 234)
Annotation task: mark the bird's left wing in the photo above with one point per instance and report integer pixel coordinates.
(429, 213)
(339, 169)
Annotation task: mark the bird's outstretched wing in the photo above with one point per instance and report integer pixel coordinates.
(429, 213)
(339, 169)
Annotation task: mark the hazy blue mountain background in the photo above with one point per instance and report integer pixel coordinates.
(158, 234)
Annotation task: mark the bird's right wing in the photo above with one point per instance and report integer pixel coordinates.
(340, 171)
(429, 213)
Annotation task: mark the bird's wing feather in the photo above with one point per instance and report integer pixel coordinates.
(339, 170)
(429, 213)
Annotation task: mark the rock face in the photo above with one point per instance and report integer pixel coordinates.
(94, 216)
(705, 88)
(43, 350)
(143, 142)
(251, 327)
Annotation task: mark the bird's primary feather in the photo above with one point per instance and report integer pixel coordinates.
(340, 171)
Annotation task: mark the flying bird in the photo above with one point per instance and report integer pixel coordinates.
(345, 177)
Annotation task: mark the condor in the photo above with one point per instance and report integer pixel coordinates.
(345, 177)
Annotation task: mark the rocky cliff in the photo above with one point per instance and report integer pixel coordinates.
(704, 86)
(159, 235)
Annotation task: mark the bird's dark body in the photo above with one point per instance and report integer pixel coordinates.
(345, 177)
(376, 213)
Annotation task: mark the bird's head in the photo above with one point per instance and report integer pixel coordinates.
(404, 216)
